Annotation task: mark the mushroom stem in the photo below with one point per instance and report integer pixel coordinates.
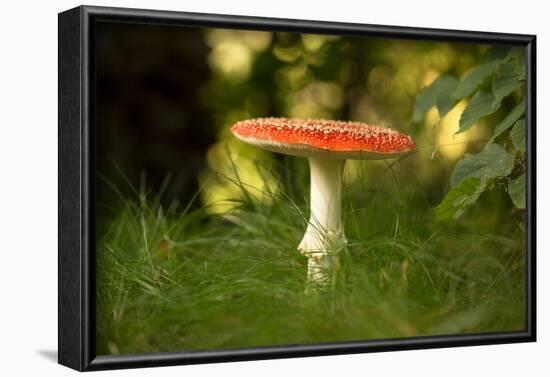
(324, 235)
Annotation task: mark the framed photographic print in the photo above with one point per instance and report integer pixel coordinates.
(239, 188)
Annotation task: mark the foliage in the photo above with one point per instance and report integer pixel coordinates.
(458, 199)
(496, 84)
(493, 162)
(438, 94)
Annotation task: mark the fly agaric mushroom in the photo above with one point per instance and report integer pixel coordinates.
(327, 144)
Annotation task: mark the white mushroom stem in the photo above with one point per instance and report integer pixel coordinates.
(324, 235)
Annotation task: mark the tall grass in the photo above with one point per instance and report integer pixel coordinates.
(175, 278)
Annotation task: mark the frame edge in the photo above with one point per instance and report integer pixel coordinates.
(110, 362)
(531, 215)
(172, 17)
(70, 311)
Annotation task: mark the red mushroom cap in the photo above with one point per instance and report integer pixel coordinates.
(324, 138)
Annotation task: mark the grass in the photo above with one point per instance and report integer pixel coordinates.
(175, 278)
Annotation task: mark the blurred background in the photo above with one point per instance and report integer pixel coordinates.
(166, 97)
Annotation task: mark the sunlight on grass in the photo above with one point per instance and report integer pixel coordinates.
(234, 175)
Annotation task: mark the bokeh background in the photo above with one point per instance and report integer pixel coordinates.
(188, 259)
(167, 96)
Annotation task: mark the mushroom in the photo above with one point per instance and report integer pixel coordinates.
(327, 144)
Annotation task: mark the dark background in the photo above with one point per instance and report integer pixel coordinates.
(149, 116)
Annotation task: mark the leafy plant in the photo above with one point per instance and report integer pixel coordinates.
(496, 84)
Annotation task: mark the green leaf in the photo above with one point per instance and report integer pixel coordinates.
(500, 53)
(514, 53)
(517, 54)
(516, 190)
(517, 134)
(444, 101)
(508, 121)
(506, 80)
(473, 79)
(437, 94)
(482, 104)
(520, 70)
(490, 163)
(458, 199)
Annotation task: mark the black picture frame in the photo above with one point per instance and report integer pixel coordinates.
(76, 280)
